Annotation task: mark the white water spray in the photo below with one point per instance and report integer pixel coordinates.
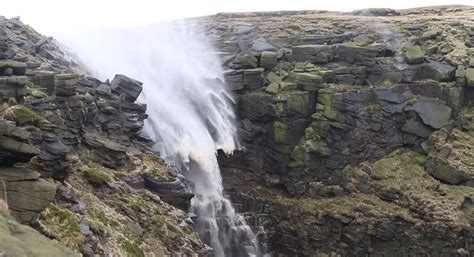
(190, 116)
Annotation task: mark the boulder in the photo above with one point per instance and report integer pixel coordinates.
(433, 112)
(268, 59)
(128, 86)
(414, 54)
(27, 193)
(246, 61)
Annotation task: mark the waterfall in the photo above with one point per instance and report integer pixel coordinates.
(190, 115)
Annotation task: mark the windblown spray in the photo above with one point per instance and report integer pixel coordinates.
(190, 116)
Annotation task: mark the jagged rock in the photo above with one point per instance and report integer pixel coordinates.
(27, 193)
(414, 54)
(130, 87)
(432, 111)
(104, 89)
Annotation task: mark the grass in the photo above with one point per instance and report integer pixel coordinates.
(25, 115)
(64, 225)
(132, 248)
(96, 175)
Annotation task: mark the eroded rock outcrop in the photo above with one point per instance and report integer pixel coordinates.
(350, 92)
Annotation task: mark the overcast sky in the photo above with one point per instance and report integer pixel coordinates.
(54, 16)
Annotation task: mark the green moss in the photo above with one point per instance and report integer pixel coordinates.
(102, 217)
(133, 202)
(96, 175)
(25, 115)
(132, 248)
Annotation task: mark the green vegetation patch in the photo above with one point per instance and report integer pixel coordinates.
(25, 115)
(96, 175)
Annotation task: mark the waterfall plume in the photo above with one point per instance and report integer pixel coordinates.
(190, 115)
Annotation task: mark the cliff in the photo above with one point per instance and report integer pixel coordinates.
(357, 132)
(73, 163)
(357, 129)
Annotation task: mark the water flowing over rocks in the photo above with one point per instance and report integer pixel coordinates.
(353, 131)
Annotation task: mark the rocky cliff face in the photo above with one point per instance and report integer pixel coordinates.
(73, 163)
(357, 131)
(356, 128)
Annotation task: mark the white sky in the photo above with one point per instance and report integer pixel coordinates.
(53, 16)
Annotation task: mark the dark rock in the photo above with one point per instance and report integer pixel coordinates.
(432, 111)
(268, 60)
(253, 78)
(174, 192)
(130, 87)
(417, 128)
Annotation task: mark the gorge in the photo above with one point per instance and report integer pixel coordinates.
(337, 134)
